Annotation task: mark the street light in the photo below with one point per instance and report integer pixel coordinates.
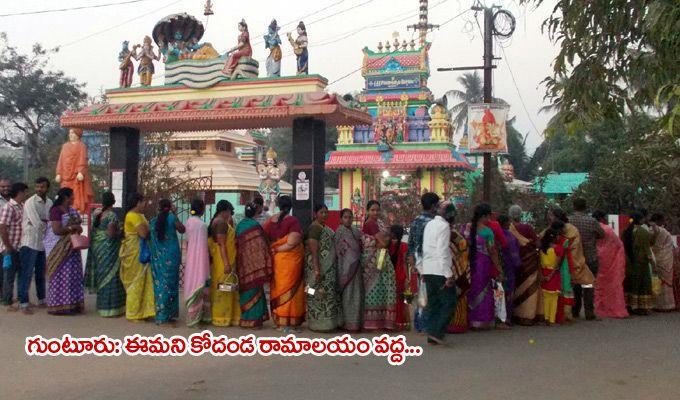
(386, 174)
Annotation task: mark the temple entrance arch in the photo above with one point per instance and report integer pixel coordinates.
(300, 102)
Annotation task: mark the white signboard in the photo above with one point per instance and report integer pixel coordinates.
(117, 187)
(302, 187)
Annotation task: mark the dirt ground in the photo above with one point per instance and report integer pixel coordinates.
(636, 358)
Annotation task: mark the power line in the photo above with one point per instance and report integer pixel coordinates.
(386, 55)
(519, 94)
(322, 18)
(119, 25)
(71, 8)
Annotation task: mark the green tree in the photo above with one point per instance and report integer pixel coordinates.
(32, 98)
(472, 92)
(517, 152)
(616, 57)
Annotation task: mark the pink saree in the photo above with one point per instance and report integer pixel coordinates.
(197, 273)
(609, 299)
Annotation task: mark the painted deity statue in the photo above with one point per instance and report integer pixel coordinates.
(174, 48)
(146, 56)
(72, 170)
(127, 69)
(242, 49)
(300, 49)
(270, 173)
(508, 171)
(272, 41)
(357, 205)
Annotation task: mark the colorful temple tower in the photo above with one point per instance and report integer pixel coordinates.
(409, 143)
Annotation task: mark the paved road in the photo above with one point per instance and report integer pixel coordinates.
(637, 358)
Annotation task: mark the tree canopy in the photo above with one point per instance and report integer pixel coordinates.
(32, 98)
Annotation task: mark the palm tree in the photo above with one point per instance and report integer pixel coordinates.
(473, 92)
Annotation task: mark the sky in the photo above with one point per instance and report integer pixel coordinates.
(90, 40)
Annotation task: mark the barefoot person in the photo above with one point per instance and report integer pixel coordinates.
(135, 272)
(103, 261)
(64, 264)
(165, 260)
(287, 285)
(197, 270)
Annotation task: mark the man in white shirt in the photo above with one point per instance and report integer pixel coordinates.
(438, 272)
(34, 229)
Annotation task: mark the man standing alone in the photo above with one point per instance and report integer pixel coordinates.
(34, 228)
(438, 272)
(590, 231)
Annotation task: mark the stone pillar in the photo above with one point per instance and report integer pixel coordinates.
(124, 158)
(309, 147)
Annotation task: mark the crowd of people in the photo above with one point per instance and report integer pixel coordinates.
(442, 276)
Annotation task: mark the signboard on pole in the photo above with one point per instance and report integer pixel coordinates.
(302, 187)
(486, 127)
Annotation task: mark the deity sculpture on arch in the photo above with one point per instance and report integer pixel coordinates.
(146, 57)
(126, 67)
(300, 45)
(239, 63)
(272, 41)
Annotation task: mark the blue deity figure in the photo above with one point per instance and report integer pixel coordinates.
(272, 41)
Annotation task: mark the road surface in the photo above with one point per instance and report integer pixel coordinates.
(636, 358)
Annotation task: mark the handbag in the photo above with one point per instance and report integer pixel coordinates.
(144, 252)
(422, 293)
(80, 242)
(229, 285)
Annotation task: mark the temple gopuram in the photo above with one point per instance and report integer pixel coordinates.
(409, 143)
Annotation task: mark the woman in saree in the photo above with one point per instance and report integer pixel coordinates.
(461, 264)
(637, 241)
(512, 262)
(64, 264)
(553, 252)
(103, 267)
(398, 250)
(165, 259)
(197, 268)
(663, 254)
(242, 49)
(527, 283)
(135, 274)
(321, 274)
(350, 276)
(483, 269)
(581, 275)
(288, 253)
(380, 296)
(226, 310)
(609, 299)
(254, 268)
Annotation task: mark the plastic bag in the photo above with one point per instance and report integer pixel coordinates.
(422, 293)
(6, 261)
(144, 252)
(499, 301)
